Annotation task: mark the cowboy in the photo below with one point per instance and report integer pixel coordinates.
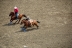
(16, 11)
(28, 19)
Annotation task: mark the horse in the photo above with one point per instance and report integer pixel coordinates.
(13, 17)
(30, 23)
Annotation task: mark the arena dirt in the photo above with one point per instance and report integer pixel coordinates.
(55, 28)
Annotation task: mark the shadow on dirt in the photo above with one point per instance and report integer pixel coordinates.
(27, 30)
(9, 24)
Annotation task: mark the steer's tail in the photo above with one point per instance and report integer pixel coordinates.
(38, 21)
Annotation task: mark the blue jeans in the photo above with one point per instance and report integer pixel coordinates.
(16, 14)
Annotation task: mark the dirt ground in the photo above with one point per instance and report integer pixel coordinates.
(55, 28)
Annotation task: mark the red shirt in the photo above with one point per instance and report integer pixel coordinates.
(16, 10)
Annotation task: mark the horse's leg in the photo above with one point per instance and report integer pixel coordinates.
(25, 27)
(12, 18)
(19, 20)
(11, 21)
(19, 17)
(32, 24)
(16, 21)
(36, 25)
